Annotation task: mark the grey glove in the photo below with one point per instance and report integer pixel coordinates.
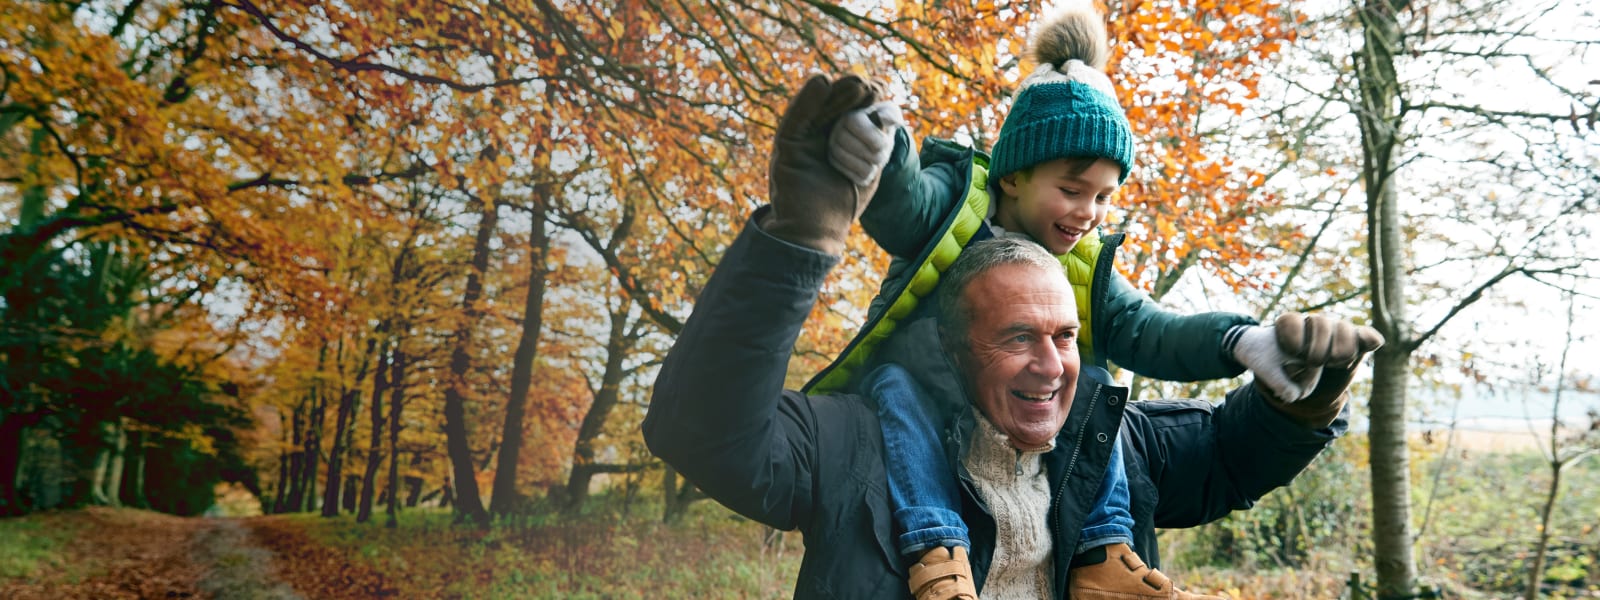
(1333, 346)
(1256, 347)
(862, 141)
(813, 204)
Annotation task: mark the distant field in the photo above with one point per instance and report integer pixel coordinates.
(1498, 437)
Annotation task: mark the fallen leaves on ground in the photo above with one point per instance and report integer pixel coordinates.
(120, 554)
(317, 571)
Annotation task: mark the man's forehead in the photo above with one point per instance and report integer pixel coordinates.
(1024, 294)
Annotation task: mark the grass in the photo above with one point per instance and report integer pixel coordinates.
(600, 554)
(33, 545)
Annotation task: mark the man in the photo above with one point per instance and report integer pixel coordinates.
(1034, 440)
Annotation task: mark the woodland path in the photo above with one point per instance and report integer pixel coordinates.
(130, 554)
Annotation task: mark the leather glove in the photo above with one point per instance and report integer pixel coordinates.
(814, 204)
(862, 141)
(1332, 346)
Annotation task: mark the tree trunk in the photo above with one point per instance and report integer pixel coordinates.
(332, 489)
(352, 490)
(1390, 464)
(136, 497)
(630, 489)
(380, 384)
(676, 500)
(295, 497)
(468, 505)
(1391, 473)
(504, 494)
(594, 420)
(11, 440)
(51, 483)
(97, 477)
(342, 424)
(283, 479)
(669, 494)
(119, 448)
(413, 491)
(396, 404)
(1557, 461)
(314, 423)
(1536, 572)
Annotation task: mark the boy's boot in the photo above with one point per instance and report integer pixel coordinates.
(943, 574)
(1114, 572)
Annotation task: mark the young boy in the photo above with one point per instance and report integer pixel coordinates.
(1064, 149)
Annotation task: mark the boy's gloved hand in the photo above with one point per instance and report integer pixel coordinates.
(1256, 347)
(862, 141)
(813, 204)
(1334, 349)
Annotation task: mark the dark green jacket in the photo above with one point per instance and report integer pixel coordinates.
(915, 208)
(720, 416)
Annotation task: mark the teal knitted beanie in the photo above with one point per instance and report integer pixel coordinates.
(1062, 119)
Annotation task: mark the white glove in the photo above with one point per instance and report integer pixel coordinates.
(1257, 349)
(861, 141)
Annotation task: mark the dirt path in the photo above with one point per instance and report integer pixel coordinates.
(236, 566)
(132, 554)
(320, 572)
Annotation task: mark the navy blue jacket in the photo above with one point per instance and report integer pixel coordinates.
(721, 417)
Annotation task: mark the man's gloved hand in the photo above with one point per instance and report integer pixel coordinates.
(813, 203)
(862, 141)
(1327, 344)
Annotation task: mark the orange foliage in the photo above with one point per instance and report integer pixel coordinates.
(331, 159)
(1184, 69)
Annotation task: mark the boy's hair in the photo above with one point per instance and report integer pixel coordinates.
(1075, 167)
(1067, 107)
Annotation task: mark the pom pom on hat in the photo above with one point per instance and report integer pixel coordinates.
(1067, 106)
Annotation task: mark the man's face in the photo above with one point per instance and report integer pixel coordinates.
(1023, 351)
(1055, 205)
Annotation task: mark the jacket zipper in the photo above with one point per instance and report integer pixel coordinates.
(1097, 293)
(1072, 463)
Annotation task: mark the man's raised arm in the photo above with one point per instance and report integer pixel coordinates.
(719, 414)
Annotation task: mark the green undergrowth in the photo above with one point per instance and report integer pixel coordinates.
(600, 553)
(33, 545)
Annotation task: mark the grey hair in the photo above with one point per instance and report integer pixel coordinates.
(954, 315)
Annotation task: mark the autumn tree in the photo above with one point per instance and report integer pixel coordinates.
(116, 151)
(368, 178)
(1565, 449)
(1416, 88)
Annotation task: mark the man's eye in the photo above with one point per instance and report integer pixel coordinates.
(1103, 198)
(1069, 192)
(1021, 339)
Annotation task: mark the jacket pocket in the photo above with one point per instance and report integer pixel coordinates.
(882, 528)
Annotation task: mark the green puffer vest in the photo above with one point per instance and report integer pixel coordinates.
(901, 297)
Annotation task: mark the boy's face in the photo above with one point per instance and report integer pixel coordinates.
(1055, 205)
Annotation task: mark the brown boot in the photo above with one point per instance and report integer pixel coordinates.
(943, 574)
(1118, 574)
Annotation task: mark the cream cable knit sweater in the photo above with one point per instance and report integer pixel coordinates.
(1014, 485)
